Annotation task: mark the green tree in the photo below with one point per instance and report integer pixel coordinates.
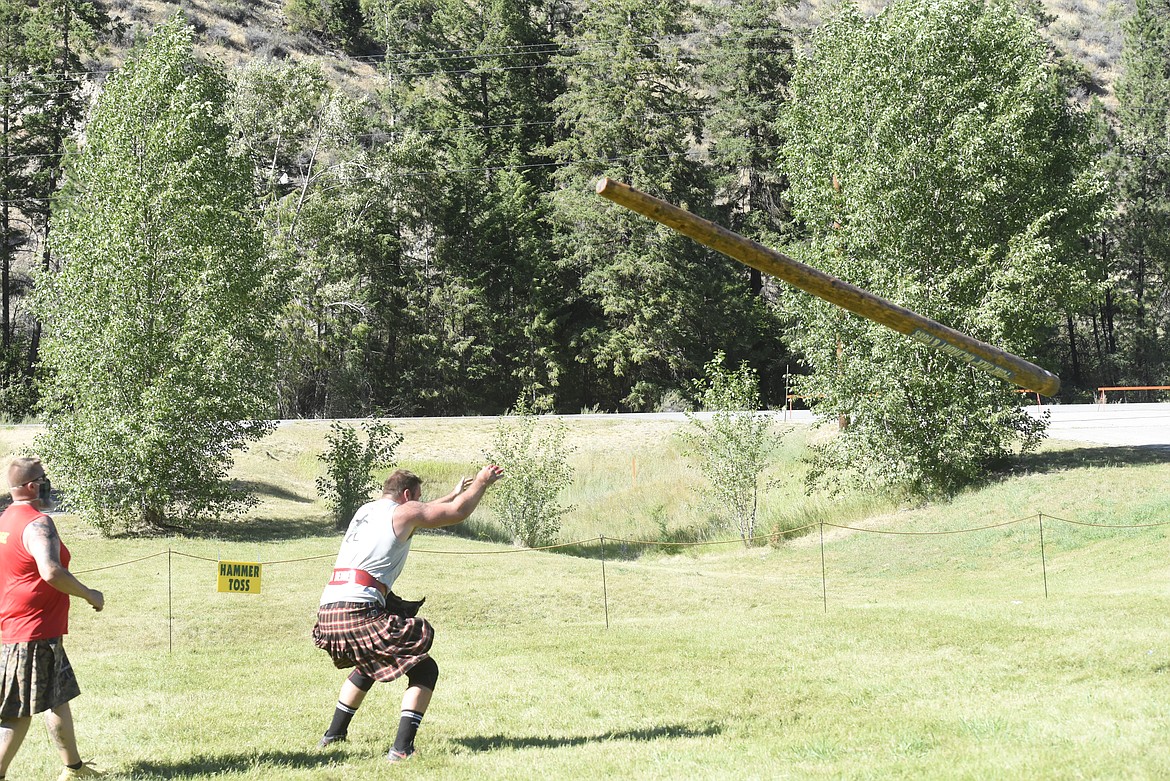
(643, 302)
(746, 65)
(158, 326)
(1140, 289)
(535, 459)
(935, 159)
(350, 465)
(732, 446)
(15, 102)
(41, 102)
(336, 21)
(474, 79)
(312, 178)
(748, 68)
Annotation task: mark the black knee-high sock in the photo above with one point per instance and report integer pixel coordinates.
(342, 716)
(407, 728)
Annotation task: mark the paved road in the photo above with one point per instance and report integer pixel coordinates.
(1129, 425)
(1110, 424)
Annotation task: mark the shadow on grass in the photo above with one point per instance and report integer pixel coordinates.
(270, 489)
(227, 764)
(494, 742)
(262, 529)
(1083, 457)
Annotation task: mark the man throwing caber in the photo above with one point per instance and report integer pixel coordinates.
(35, 586)
(362, 624)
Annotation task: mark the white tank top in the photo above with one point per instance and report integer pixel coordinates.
(369, 545)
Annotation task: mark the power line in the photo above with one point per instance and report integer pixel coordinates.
(545, 47)
(441, 131)
(495, 53)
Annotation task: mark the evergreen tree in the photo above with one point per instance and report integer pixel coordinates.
(475, 80)
(647, 307)
(15, 97)
(1141, 271)
(336, 21)
(41, 104)
(158, 326)
(747, 65)
(747, 69)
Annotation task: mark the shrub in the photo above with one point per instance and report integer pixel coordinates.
(732, 447)
(534, 458)
(350, 465)
(336, 21)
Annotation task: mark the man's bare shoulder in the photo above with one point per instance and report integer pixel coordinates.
(408, 510)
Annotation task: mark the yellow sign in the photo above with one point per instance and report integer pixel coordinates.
(239, 577)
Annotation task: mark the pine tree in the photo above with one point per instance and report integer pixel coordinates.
(1142, 225)
(475, 80)
(746, 66)
(647, 307)
(41, 105)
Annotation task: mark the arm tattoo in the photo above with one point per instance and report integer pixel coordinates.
(44, 538)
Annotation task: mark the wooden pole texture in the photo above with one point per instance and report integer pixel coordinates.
(996, 362)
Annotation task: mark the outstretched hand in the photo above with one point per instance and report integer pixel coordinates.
(463, 484)
(490, 474)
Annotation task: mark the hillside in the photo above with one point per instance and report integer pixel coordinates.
(235, 31)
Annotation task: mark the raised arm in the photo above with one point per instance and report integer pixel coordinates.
(449, 510)
(41, 541)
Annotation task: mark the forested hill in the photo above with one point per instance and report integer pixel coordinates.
(387, 208)
(235, 31)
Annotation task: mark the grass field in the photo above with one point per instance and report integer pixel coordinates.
(921, 656)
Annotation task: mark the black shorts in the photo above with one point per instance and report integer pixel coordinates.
(36, 677)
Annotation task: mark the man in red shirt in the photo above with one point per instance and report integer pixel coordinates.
(35, 586)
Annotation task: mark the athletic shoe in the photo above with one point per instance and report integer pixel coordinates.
(85, 771)
(394, 755)
(327, 739)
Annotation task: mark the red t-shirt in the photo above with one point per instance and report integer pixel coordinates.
(30, 609)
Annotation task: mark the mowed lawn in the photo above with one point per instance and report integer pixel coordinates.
(873, 656)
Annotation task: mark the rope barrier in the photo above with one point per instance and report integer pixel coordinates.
(603, 540)
(191, 556)
(665, 544)
(707, 542)
(946, 531)
(306, 558)
(123, 564)
(510, 550)
(1109, 525)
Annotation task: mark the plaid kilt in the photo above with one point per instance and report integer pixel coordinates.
(369, 637)
(36, 677)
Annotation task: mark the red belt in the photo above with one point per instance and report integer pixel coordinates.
(343, 576)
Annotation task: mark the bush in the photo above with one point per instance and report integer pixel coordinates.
(350, 465)
(534, 458)
(336, 21)
(732, 448)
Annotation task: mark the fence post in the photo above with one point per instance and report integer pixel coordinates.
(1043, 558)
(604, 590)
(824, 586)
(170, 612)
